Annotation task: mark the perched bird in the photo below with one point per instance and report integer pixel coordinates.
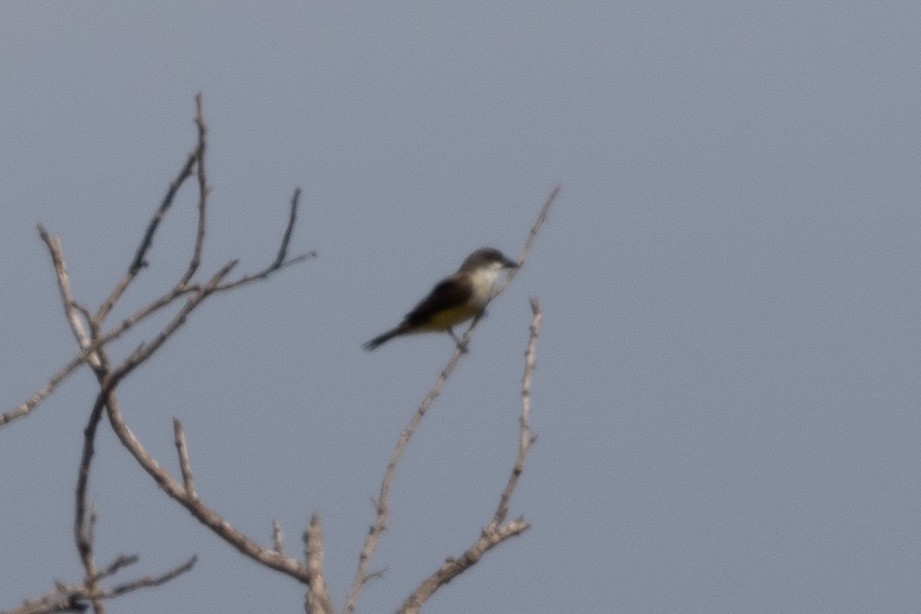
(456, 298)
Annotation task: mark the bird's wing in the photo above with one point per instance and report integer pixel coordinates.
(450, 292)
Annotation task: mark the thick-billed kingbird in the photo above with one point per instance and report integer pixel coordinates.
(454, 299)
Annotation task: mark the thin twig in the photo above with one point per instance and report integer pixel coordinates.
(203, 191)
(525, 438)
(23, 409)
(73, 597)
(74, 317)
(278, 540)
(140, 257)
(286, 238)
(264, 273)
(532, 236)
(522, 255)
(115, 566)
(91, 526)
(185, 468)
(452, 568)
(150, 581)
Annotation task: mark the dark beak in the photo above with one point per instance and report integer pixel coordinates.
(509, 264)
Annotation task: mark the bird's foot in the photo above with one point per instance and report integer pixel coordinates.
(462, 345)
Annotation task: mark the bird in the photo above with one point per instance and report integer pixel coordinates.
(455, 299)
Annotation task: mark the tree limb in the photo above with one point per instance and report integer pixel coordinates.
(317, 599)
(497, 530)
(73, 597)
(93, 341)
(382, 504)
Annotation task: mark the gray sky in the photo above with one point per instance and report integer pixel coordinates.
(727, 393)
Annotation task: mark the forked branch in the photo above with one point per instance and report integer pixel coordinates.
(76, 597)
(92, 339)
(497, 530)
(382, 504)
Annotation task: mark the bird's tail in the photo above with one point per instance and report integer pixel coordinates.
(381, 339)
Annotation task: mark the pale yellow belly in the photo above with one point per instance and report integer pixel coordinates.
(449, 317)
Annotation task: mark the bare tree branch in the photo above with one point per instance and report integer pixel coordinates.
(92, 338)
(525, 438)
(140, 256)
(74, 315)
(263, 274)
(185, 493)
(109, 379)
(454, 567)
(73, 597)
(317, 600)
(83, 356)
(150, 581)
(278, 541)
(497, 531)
(84, 529)
(203, 192)
(532, 236)
(139, 262)
(141, 314)
(280, 261)
(383, 500)
(115, 566)
(372, 540)
(93, 349)
(23, 409)
(73, 311)
(185, 468)
(539, 223)
(286, 238)
(167, 483)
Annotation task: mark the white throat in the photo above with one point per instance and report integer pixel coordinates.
(483, 281)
